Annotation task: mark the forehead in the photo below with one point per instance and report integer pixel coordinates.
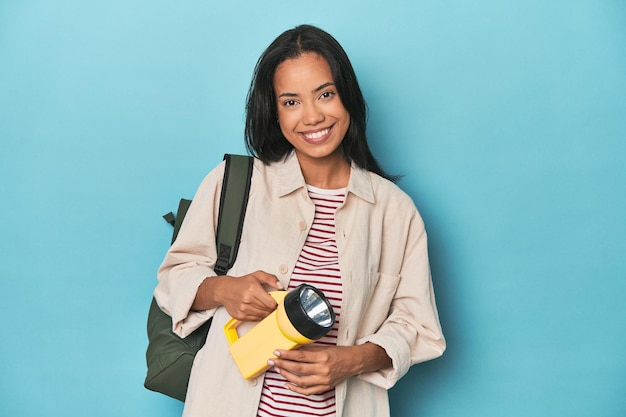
(306, 70)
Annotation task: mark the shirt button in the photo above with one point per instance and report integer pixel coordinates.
(302, 225)
(253, 382)
(283, 269)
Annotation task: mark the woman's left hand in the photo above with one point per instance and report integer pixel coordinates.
(316, 369)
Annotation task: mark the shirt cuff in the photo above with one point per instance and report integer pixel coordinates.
(182, 294)
(400, 355)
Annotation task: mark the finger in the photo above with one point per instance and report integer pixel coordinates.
(296, 368)
(252, 295)
(305, 384)
(254, 310)
(265, 302)
(259, 303)
(312, 390)
(298, 378)
(268, 279)
(247, 314)
(263, 298)
(301, 355)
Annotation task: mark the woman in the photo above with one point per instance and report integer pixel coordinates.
(320, 211)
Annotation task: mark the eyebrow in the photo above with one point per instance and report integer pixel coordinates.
(316, 90)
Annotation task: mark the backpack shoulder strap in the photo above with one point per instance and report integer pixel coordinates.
(233, 203)
(177, 221)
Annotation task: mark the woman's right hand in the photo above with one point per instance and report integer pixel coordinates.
(245, 298)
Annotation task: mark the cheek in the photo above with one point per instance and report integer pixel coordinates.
(341, 113)
(286, 121)
(346, 122)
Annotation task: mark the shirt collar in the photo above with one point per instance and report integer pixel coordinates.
(290, 178)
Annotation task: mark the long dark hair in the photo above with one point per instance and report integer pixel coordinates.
(264, 138)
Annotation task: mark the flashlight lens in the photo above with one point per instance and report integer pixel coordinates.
(309, 311)
(315, 307)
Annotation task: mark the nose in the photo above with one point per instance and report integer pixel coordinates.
(312, 114)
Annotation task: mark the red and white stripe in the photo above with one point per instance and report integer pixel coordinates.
(318, 265)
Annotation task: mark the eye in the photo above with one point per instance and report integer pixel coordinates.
(327, 95)
(289, 103)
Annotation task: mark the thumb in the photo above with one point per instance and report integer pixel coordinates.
(269, 279)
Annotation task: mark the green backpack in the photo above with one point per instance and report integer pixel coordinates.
(170, 357)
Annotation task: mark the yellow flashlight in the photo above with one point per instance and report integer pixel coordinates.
(303, 316)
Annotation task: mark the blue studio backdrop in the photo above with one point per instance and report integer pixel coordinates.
(507, 120)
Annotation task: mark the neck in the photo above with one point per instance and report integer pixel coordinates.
(331, 173)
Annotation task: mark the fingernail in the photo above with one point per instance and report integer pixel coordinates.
(277, 353)
(270, 362)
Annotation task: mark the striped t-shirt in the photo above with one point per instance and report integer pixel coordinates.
(318, 265)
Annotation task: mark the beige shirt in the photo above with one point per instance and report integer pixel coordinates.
(388, 294)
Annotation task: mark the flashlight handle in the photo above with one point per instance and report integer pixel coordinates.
(230, 330)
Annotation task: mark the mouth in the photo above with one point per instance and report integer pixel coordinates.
(317, 136)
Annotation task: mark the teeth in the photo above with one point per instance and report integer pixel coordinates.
(317, 135)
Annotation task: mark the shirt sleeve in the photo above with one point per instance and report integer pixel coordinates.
(411, 332)
(191, 258)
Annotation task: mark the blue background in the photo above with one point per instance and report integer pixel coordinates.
(507, 120)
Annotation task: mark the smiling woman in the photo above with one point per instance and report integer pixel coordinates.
(264, 136)
(313, 119)
(321, 212)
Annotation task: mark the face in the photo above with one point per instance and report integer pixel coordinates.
(310, 112)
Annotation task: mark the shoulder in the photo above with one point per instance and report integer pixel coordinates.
(386, 188)
(278, 178)
(378, 190)
(392, 200)
(214, 178)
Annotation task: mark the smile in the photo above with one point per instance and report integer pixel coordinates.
(316, 135)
